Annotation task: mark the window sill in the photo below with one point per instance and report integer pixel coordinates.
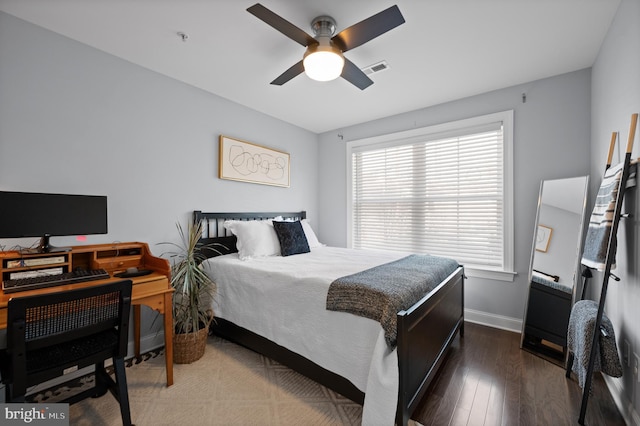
(489, 274)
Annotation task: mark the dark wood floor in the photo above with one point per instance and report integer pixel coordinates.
(488, 380)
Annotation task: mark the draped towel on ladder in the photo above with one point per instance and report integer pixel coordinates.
(601, 221)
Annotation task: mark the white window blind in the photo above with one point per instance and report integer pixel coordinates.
(442, 194)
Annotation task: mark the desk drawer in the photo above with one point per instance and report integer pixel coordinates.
(117, 264)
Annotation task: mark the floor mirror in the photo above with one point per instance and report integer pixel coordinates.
(555, 273)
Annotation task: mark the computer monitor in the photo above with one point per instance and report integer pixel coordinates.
(32, 214)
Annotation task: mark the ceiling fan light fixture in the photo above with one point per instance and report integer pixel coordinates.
(323, 62)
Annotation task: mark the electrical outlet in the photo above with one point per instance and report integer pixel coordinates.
(626, 354)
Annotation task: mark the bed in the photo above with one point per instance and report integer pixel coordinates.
(345, 352)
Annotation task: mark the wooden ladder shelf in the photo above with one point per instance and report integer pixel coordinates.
(610, 260)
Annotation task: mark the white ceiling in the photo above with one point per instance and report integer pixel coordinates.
(446, 50)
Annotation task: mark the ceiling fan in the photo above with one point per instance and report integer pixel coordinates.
(328, 48)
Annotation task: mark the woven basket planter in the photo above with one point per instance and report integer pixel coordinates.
(189, 347)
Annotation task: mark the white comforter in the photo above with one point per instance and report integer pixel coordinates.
(284, 300)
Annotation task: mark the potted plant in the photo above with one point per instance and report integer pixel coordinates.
(193, 292)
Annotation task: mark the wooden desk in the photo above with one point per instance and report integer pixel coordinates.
(153, 290)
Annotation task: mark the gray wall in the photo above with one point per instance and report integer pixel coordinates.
(551, 141)
(616, 95)
(76, 120)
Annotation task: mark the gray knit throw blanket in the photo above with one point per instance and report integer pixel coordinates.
(596, 245)
(381, 292)
(579, 339)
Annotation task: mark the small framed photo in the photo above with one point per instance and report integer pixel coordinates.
(543, 238)
(248, 162)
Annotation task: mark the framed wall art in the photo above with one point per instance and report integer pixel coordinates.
(248, 162)
(543, 238)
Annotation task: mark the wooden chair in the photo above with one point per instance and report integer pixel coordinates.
(53, 334)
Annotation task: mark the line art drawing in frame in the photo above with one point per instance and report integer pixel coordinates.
(248, 162)
(543, 238)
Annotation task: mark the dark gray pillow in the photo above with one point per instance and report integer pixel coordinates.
(292, 238)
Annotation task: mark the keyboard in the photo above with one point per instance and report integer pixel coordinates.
(43, 281)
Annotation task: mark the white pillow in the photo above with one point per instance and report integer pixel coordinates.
(256, 238)
(311, 236)
(282, 219)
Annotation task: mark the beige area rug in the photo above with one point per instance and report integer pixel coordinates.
(230, 385)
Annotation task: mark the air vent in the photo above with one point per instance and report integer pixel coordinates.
(375, 68)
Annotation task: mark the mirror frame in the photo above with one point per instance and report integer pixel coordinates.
(577, 282)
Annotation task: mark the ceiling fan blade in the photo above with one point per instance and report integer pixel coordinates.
(355, 75)
(364, 31)
(282, 25)
(296, 69)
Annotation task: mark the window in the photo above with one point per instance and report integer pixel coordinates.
(444, 190)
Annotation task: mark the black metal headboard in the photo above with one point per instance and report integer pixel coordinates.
(215, 232)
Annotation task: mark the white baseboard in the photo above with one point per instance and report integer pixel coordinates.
(147, 343)
(493, 320)
(626, 408)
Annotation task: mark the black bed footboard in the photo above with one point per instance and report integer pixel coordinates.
(425, 332)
